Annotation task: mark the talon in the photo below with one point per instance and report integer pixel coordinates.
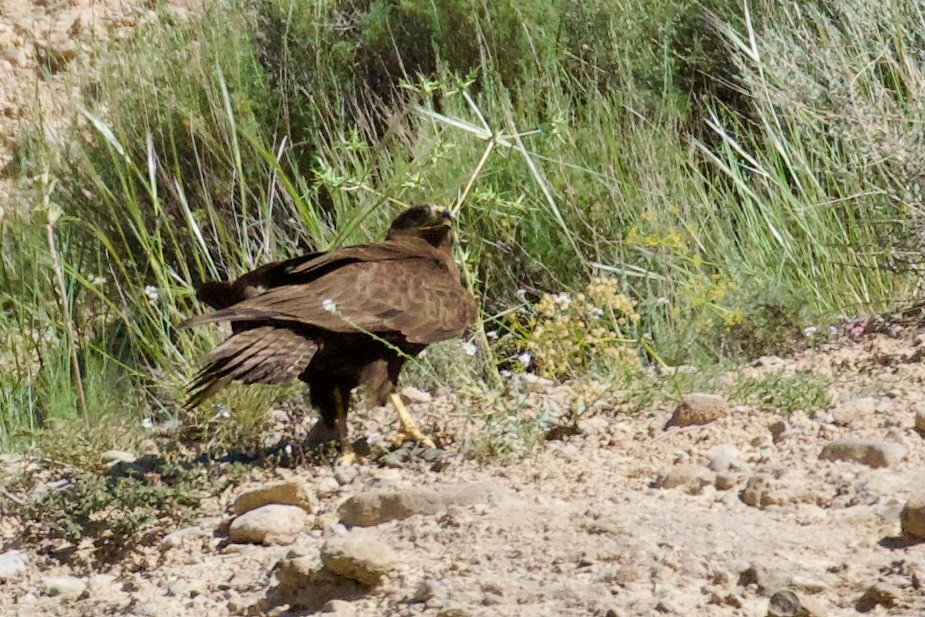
(407, 430)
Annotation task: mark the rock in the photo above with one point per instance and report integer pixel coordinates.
(698, 408)
(849, 412)
(454, 612)
(377, 507)
(179, 537)
(920, 420)
(186, 588)
(304, 584)
(411, 396)
(723, 457)
(431, 589)
(786, 603)
(111, 457)
(13, 56)
(271, 524)
(870, 453)
(12, 565)
(912, 518)
(67, 587)
(726, 481)
(878, 594)
(765, 581)
(757, 492)
(358, 557)
(690, 477)
(339, 607)
(327, 487)
(780, 430)
(536, 384)
(286, 492)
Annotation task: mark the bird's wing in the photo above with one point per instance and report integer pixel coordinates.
(264, 354)
(414, 296)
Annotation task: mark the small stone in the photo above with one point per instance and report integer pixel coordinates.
(271, 524)
(878, 594)
(431, 589)
(358, 557)
(327, 487)
(808, 583)
(786, 603)
(111, 457)
(186, 588)
(723, 457)
(698, 408)
(536, 384)
(377, 507)
(920, 419)
(386, 477)
(849, 412)
(67, 587)
(757, 492)
(912, 518)
(690, 477)
(780, 430)
(13, 56)
(412, 396)
(765, 581)
(726, 481)
(179, 537)
(454, 612)
(870, 453)
(12, 565)
(287, 492)
(339, 607)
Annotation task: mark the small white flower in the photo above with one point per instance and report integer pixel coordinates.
(288, 450)
(810, 330)
(97, 280)
(596, 311)
(562, 299)
(525, 358)
(521, 294)
(492, 334)
(147, 423)
(470, 349)
(328, 305)
(152, 293)
(221, 414)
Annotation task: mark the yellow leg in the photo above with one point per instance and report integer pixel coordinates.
(347, 455)
(407, 430)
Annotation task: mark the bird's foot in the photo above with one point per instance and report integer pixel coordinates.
(348, 457)
(407, 431)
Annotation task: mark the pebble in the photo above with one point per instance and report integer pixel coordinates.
(12, 565)
(358, 557)
(287, 492)
(271, 524)
(912, 518)
(871, 453)
(698, 408)
(67, 587)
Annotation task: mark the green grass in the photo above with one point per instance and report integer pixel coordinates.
(574, 140)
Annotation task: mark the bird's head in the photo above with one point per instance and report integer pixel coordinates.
(428, 222)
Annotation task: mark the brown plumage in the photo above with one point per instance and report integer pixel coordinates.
(340, 319)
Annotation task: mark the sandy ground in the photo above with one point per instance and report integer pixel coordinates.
(627, 518)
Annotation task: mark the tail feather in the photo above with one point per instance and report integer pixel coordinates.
(265, 354)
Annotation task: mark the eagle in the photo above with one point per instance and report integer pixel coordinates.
(339, 319)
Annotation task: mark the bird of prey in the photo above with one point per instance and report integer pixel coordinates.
(339, 319)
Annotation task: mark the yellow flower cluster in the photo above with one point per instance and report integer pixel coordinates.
(591, 328)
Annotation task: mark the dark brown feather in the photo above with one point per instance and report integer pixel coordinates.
(339, 319)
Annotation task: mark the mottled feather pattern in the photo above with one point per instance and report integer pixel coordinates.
(310, 316)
